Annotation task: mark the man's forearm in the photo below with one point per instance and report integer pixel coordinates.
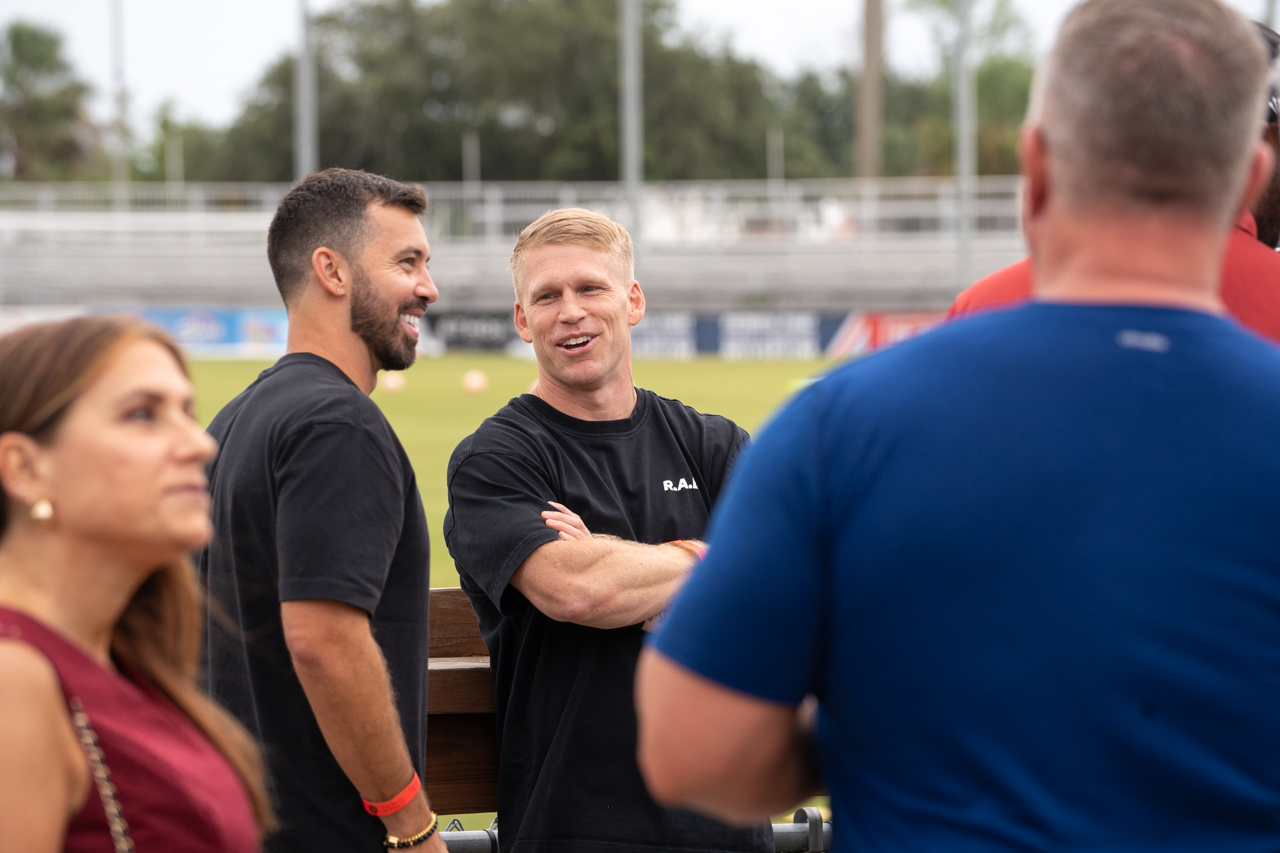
(704, 746)
(350, 695)
(345, 678)
(602, 581)
(752, 793)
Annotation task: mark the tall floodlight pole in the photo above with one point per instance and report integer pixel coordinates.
(174, 169)
(471, 158)
(306, 131)
(120, 156)
(965, 99)
(870, 93)
(631, 109)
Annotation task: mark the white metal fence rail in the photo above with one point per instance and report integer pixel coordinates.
(837, 244)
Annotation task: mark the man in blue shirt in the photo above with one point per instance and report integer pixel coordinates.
(1028, 564)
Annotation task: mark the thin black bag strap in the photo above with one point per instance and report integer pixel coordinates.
(101, 777)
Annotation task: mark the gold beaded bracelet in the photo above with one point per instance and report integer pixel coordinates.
(413, 840)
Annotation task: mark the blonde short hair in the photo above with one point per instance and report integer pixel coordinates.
(578, 227)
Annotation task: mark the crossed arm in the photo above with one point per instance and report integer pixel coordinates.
(599, 581)
(702, 745)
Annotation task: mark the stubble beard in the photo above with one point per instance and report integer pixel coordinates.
(390, 345)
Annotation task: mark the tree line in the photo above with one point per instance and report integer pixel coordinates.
(401, 82)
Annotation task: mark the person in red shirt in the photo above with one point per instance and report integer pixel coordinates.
(1250, 287)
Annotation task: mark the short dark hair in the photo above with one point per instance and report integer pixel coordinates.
(330, 209)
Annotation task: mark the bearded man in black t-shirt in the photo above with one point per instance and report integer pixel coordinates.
(320, 550)
(574, 515)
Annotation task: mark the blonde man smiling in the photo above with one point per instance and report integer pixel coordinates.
(568, 543)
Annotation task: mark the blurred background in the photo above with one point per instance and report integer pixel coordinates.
(815, 176)
(401, 83)
(802, 178)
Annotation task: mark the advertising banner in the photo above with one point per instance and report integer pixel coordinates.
(864, 333)
(473, 331)
(665, 336)
(768, 336)
(262, 333)
(224, 332)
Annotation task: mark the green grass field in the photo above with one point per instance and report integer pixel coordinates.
(432, 413)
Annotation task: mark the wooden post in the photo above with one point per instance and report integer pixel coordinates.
(871, 94)
(965, 124)
(462, 737)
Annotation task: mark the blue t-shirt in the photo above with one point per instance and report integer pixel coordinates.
(1030, 565)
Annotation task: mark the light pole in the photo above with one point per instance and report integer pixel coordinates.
(120, 157)
(306, 133)
(1270, 19)
(631, 109)
(174, 169)
(964, 98)
(471, 158)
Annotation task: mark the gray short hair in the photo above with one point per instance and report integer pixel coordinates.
(1152, 104)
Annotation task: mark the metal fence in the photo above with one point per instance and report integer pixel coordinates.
(686, 213)
(807, 834)
(811, 245)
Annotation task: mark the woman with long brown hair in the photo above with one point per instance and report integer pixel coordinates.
(106, 741)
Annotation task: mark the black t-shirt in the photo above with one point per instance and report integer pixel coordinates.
(313, 498)
(568, 780)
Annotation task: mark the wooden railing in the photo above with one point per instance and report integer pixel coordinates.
(462, 737)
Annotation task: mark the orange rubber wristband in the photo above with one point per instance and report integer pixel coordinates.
(685, 545)
(397, 802)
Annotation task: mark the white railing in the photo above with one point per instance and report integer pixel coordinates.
(676, 213)
(877, 245)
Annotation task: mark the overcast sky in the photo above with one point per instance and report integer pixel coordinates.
(206, 55)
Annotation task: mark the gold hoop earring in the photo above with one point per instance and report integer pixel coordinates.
(42, 511)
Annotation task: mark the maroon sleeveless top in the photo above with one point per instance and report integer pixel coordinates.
(176, 791)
